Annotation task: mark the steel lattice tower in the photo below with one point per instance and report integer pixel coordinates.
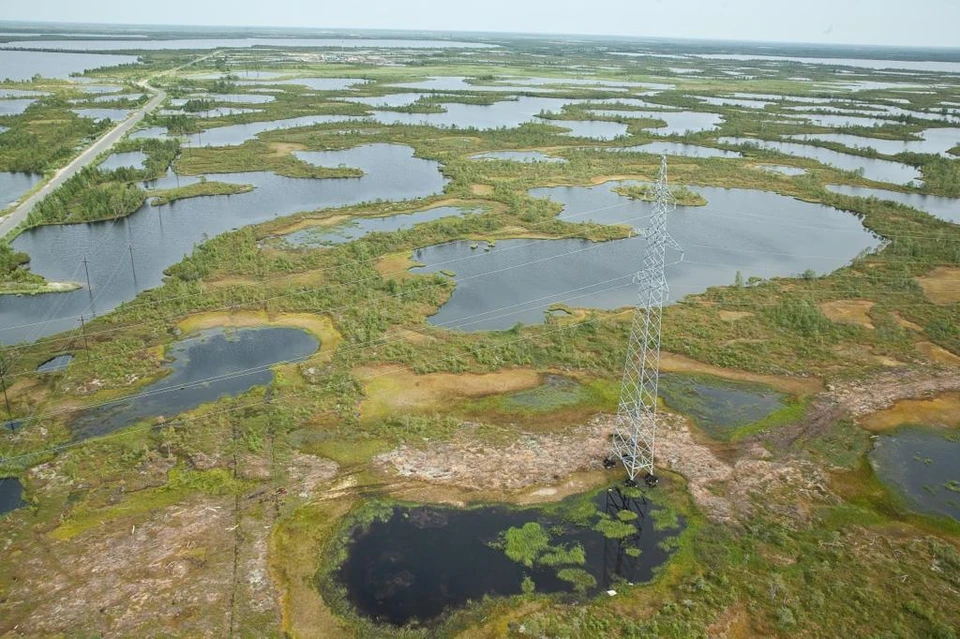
(635, 435)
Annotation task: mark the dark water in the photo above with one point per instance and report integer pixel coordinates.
(13, 185)
(677, 148)
(128, 159)
(945, 208)
(425, 561)
(23, 65)
(518, 156)
(357, 228)
(11, 494)
(58, 363)
(878, 170)
(206, 366)
(758, 233)
(920, 465)
(162, 235)
(716, 405)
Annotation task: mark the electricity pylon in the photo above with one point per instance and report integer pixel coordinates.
(634, 438)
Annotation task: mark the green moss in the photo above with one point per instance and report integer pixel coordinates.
(627, 515)
(563, 556)
(579, 578)
(613, 529)
(526, 544)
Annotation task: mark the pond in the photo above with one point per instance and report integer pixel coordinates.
(945, 208)
(162, 235)
(919, 465)
(791, 171)
(518, 156)
(877, 170)
(127, 159)
(23, 65)
(937, 141)
(103, 114)
(757, 233)
(14, 107)
(14, 185)
(413, 564)
(361, 227)
(325, 84)
(591, 129)
(56, 364)
(677, 122)
(506, 114)
(236, 134)
(716, 405)
(21, 93)
(734, 102)
(391, 101)
(233, 98)
(206, 366)
(676, 148)
(11, 494)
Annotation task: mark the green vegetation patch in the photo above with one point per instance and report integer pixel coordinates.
(201, 188)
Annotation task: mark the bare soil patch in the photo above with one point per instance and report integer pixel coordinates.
(943, 410)
(941, 285)
(734, 316)
(391, 389)
(937, 354)
(848, 312)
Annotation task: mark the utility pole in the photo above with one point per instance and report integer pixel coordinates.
(87, 272)
(634, 437)
(83, 334)
(133, 267)
(3, 385)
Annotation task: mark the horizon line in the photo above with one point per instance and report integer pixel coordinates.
(479, 33)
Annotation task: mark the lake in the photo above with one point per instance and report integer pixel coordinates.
(757, 233)
(162, 235)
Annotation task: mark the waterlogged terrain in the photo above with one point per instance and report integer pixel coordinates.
(872, 169)
(206, 366)
(518, 156)
(920, 466)
(162, 235)
(676, 148)
(360, 227)
(412, 565)
(757, 233)
(945, 208)
(11, 494)
(718, 406)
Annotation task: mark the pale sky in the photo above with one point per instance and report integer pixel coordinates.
(890, 22)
